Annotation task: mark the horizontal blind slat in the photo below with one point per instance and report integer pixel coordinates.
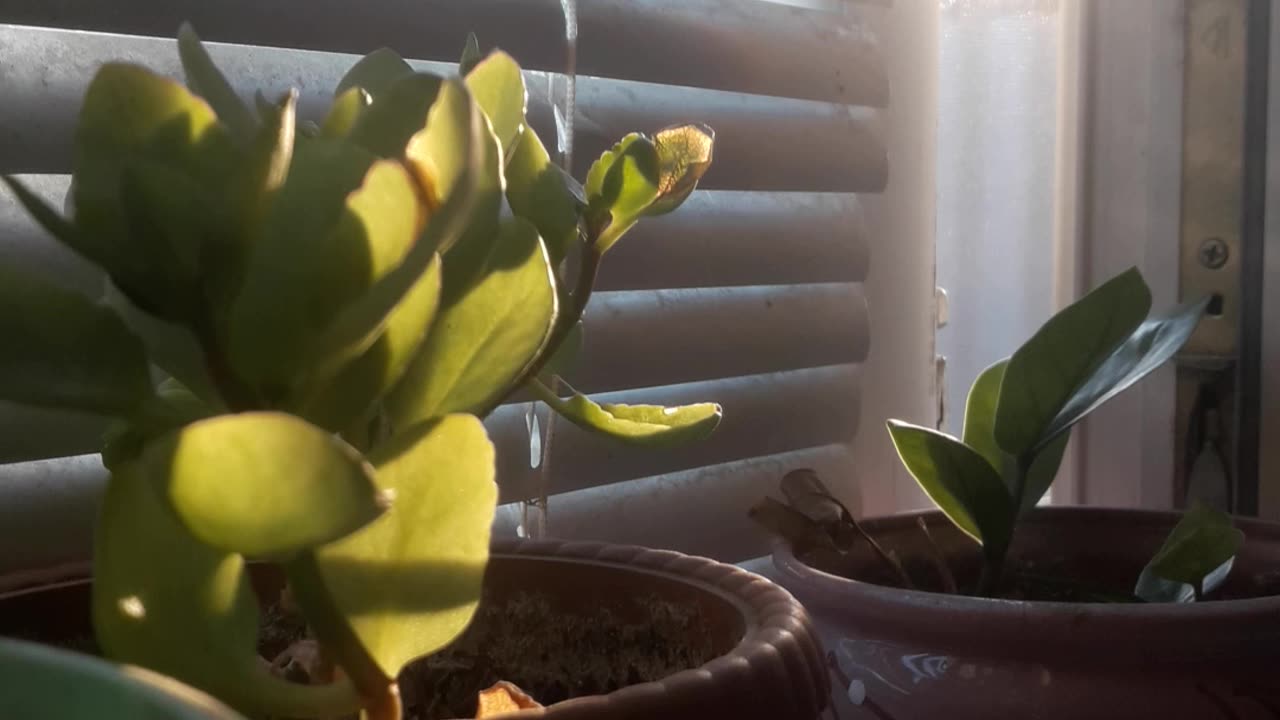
(762, 143)
(701, 511)
(753, 47)
(664, 337)
(725, 238)
(49, 511)
(763, 415)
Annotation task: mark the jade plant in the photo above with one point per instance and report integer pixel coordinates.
(1018, 419)
(303, 325)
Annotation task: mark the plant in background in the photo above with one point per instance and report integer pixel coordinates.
(1018, 419)
(333, 307)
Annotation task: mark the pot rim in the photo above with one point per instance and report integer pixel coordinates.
(794, 568)
(1026, 630)
(778, 648)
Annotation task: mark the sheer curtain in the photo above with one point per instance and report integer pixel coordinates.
(997, 107)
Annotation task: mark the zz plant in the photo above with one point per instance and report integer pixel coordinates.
(303, 325)
(1019, 416)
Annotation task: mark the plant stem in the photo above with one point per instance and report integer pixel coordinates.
(379, 693)
(939, 562)
(994, 557)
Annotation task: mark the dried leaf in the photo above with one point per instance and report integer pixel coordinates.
(502, 698)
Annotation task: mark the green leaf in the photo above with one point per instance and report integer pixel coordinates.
(62, 350)
(470, 55)
(374, 73)
(1045, 373)
(172, 407)
(409, 583)
(647, 425)
(165, 601)
(353, 393)
(206, 80)
(684, 156)
(1200, 548)
(332, 232)
(979, 434)
(620, 187)
(401, 111)
(544, 194)
(960, 481)
(345, 111)
(47, 217)
(1154, 342)
(262, 483)
(481, 343)
(497, 85)
(467, 257)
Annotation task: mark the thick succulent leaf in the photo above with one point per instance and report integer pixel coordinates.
(459, 120)
(648, 425)
(409, 583)
(396, 115)
(262, 483)
(684, 156)
(470, 55)
(544, 194)
(172, 407)
(206, 80)
(163, 600)
(620, 187)
(352, 394)
(497, 85)
(565, 357)
(129, 116)
(466, 259)
(269, 159)
(332, 232)
(1044, 374)
(62, 350)
(48, 217)
(374, 73)
(960, 482)
(1154, 342)
(345, 111)
(482, 342)
(979, 434)
(1200, 549)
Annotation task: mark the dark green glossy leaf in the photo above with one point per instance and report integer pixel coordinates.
(648, 425)
(1045, 373)
(262, 483)
(206, 80)
(409, 583)
(684, 156)
(470, 55)
(497, 85)
(960, 481)
(62, 350)
(1154, 342)
(1201, 546)
(165, 601)
(345, 111)
(620, 187)
(979, 434)
(542, 193)
(374, 73)
(482, 342)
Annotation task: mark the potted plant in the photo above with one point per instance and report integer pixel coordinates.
(992, 607)
(333, 307)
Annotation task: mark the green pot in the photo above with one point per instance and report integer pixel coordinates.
(38, 681)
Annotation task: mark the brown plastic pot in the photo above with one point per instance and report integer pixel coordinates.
(912, 654)
(770, 664)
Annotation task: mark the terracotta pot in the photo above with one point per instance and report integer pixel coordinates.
(769, 665)
(37, 681)
(914, 654)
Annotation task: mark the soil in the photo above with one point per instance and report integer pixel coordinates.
(551, 656)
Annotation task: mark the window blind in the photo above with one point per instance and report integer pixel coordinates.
(751, 295)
